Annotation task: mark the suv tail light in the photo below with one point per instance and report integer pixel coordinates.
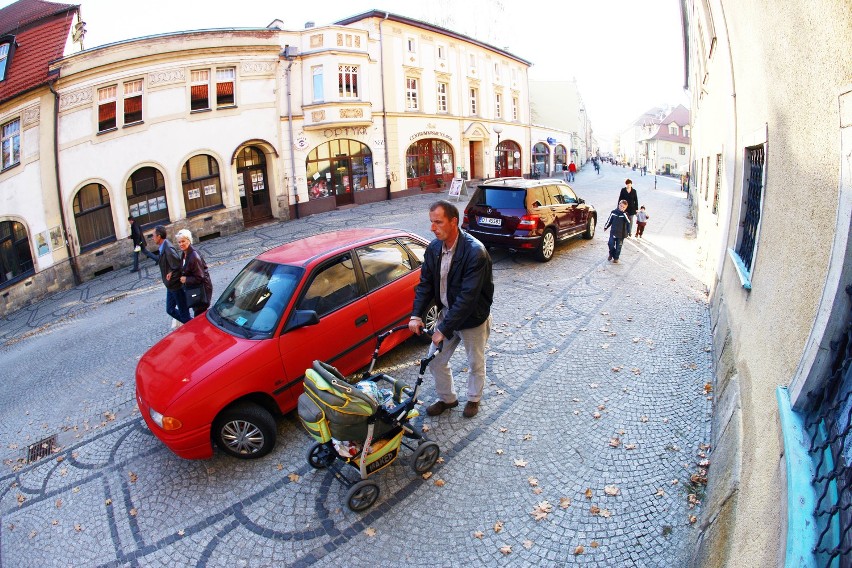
(528, 222)
(465, 219)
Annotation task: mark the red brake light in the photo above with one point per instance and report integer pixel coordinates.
(464, 219)
(528, 222)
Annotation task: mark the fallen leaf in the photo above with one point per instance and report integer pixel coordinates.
(54, 522)
(133, 512)
(612, 490)
(440, 482)
(637, 339)
(636, 371)
(708, 388)
(576, 412)
(78, 527)
(593, 385)
(133, 477)
(579, 550)
(427, 475)
(59, 503)
(506, 549)
(552, 351)
(594, 509)
(564, 502)
(503, 430)
(527, 437)
(370, 531)
(704, 463)
(604, 345)
(294, 477)
(596, 415)
(532, 481)
(692, 519)
(575, 400)
(60, 459)
(498, 526)
(439, 460)
(616, 369)
(500, 452)
(108, 502)
(614, 442)
(279, 467)
(675, 481)
(594, 544)
(520, 463)
(32, 534)
(181, 532)
(119, 384)
(426, 428)
(643, 419)
(588, 493)
(537, 491)
(629, 446)
(478, 534)
(527, 544)
(605, 513)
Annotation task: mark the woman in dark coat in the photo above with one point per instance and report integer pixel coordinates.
(628, 194)
(194, 269)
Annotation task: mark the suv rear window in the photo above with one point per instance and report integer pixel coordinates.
(503, 198)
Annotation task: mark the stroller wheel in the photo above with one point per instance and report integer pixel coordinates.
(425, 457)
(362, 495)
(320, 456)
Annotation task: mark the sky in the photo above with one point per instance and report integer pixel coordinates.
(626, 55)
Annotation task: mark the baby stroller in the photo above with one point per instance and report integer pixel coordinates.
(362, 424)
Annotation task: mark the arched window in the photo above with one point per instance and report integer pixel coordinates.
(540, 159)
(560, 156)
(93, 216)
(429, 163)
(508, 159)
(337, 166)
(202, 189)
(16, 258)
(146, 196)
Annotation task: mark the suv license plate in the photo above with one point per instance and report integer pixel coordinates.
(490, 221)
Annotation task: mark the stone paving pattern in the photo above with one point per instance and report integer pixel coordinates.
(597, 377)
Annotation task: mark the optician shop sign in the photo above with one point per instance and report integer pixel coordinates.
(430, 134)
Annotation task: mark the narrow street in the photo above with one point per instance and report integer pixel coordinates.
(586, 449)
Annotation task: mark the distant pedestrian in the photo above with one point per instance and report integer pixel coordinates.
(628, 194)
(194, 270)
(139, 244)
(565, 172)
(598, 167)
(644, 170)
(641, 220)
(572, 169)
(619, 228)
(170, 265)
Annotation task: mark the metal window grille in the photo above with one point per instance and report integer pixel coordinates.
(718, 185)
(754, 161)
(829, 424)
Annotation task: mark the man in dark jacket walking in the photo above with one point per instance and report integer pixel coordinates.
(139, 244)
(628, 194)
(620, 229)
(456, 275)
(170, 264)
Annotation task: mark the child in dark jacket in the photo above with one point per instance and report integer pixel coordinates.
(620, 228)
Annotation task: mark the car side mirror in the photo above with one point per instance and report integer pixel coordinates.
(301, 318)
(580, 200)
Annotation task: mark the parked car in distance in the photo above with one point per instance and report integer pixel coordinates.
(224, 376)
(527, 215)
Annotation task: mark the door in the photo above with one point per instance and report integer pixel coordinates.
(473, 172)
(576, 213)
(343, 336)
(562, 211)
(342, 180)
(253, 186)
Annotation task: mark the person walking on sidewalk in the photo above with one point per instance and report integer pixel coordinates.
(572, 169)
(455, 275)
(628, 194)
(194, 270)
(139, 244)
(641, 220)
(170, 263)
(619, 228)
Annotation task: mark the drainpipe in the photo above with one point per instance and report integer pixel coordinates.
(75, 271)
(288, 55)
(384, 106)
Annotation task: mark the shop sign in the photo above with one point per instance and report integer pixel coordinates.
(345, 131)
(430, 134)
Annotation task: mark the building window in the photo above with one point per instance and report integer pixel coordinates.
(16, 259)
(560, 157)
(106, 108)
(429, 162)
(93, 216)
(411, 45)
(718, 184)
(508, 160)
(497, 71)
(133, 102)
(442, 52)
(336, 166)
(474, 96)
(442, 97)
(146, 196)
(202, 189)
(755, 158)
(11, 132)
(514, 108)
(225, 83)
(4, 60)
(707, 179)
(411, 101)
(347, 78)
(199, 89)
(472, 60)
(316, 73)
(673, 129)
(540, 159)
(686, 132)
(498, 106)
(681, 150)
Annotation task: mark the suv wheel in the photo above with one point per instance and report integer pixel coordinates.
(548, 244)
(590, 228)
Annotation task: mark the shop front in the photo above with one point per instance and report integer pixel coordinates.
(508, 162)
(338, 171)
(429, 164)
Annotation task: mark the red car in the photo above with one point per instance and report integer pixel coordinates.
(224, 377)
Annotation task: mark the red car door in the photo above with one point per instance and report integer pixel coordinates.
(343, 336)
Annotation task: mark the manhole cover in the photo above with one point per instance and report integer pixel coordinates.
(40, 449)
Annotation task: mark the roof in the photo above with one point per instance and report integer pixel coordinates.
(679, 116)
(303, 251)
(41, 31)
(426, 26)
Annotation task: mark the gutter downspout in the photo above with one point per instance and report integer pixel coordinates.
(290, 126)
(75, 271)
(384, 106)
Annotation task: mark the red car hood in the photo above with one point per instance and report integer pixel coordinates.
(183, 359)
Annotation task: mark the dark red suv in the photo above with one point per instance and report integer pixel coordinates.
(528, 215)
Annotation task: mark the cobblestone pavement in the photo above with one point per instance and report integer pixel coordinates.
(595, 404)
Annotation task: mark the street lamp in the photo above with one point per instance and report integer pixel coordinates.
(497, 130)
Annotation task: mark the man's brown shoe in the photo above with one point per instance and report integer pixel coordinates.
(470, 409)
(440, 406)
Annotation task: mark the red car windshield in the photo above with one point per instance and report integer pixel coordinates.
(252, 304)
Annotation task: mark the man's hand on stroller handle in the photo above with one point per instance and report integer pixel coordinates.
(416, 326)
